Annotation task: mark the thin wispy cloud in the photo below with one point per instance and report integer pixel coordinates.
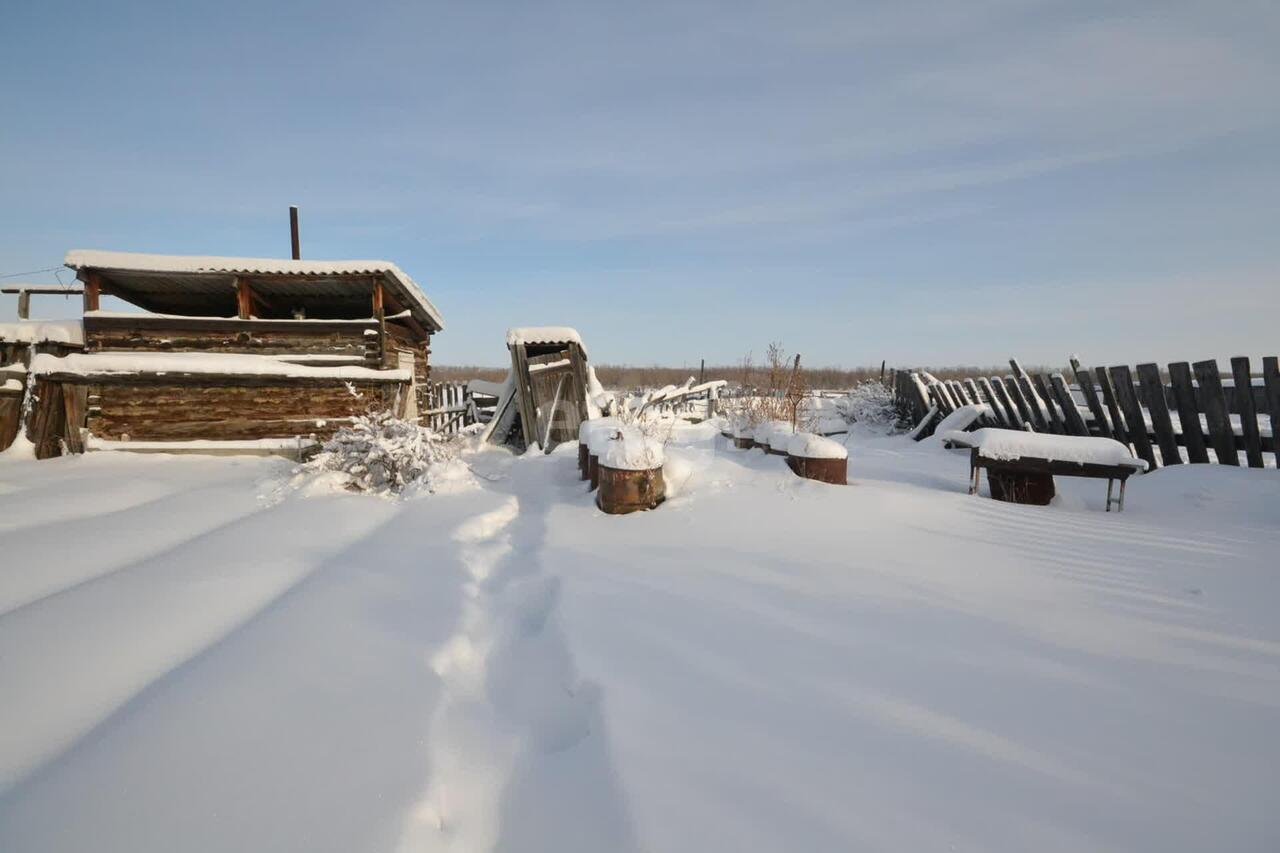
(906, 145)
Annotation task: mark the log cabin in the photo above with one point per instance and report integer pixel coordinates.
(232, 354)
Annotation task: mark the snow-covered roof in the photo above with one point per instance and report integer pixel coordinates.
(196, 265)
(188, 363)
(536, 335)
(43, 331)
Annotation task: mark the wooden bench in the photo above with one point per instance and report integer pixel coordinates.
(1053, 467)
(1016, 454)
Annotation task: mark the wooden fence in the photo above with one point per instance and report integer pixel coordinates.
(1184, 414)
(452, 406)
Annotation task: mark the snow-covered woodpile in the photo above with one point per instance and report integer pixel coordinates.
(235, 349)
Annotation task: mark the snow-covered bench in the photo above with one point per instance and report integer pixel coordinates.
(1013, 452)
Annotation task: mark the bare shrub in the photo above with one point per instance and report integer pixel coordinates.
(380, 453)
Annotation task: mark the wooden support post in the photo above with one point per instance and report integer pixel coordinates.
(1214, 403)
(379, 314)
(1184, 394)
(1161, 423)
(1135, 423)
(244, 299)
(24, 305)
(293, 232)
(1271, 382)
(92, 289)
(1248, 411)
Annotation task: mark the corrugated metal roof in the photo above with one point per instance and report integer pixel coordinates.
(181, 267)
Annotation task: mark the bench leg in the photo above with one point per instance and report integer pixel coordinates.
(1122, 484)
(974, 474)
(1110, 485)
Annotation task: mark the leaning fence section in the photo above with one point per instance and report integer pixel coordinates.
(1189, 413)
(454, 406)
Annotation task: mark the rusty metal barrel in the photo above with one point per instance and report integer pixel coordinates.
(623, 491)
(630, 473)
(817, 458)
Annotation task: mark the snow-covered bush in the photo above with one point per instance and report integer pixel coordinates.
(869, 403)
(380, 453)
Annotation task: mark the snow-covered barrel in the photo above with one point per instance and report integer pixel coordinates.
(777, 437)
(585, 431)
(630, 473)
(817, 458)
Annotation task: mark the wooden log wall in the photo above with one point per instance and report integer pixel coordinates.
(356, 340)
(195, 411)
(1186, 417)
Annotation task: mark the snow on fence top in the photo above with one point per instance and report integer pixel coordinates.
(43, 331)
(217, 364)
(78, 259)
(809, 446)
(535, 335)
(1009, 445)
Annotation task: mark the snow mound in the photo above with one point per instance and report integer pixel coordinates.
(869, 404)
(811, 446)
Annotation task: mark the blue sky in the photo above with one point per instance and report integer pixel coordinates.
(923, 183)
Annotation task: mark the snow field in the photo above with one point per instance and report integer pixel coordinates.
(764, 663)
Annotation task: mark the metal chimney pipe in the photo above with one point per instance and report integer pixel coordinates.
(293, 231)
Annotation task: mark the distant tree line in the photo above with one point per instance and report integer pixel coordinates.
(629, 377)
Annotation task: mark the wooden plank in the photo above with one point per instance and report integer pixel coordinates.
(1002, 394)
(1248, 412)
(941, 398)
(1101, 422)
(1161, 424)
(1184, 395)
(1075, 423)
(997, 408)
(1101, 426)
(1214, 403)
(1135, 424)
(1055, 420)
(1113, 408)
(1020, 403)
(1271, 385)
(524, 395)
(1039, 415)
